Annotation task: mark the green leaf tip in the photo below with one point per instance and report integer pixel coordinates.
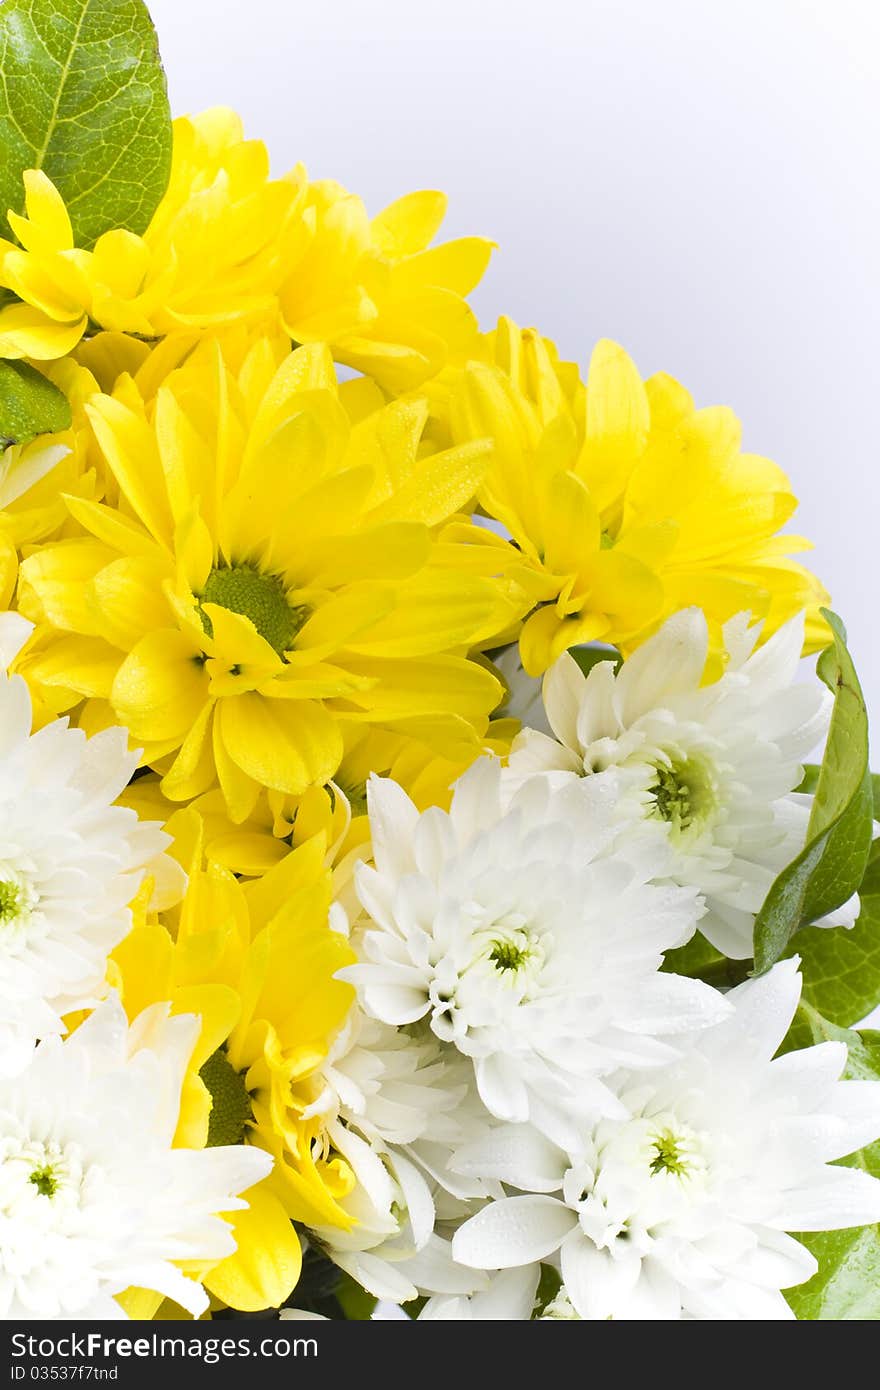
(30, 404)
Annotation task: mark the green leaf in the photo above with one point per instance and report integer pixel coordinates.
(83, 97)
(830, 866)
(841, 968)
(592, 653)
(694, 958)
(846, 1287)
(355, 1302)
(810, 779)
(30, 404)
(549, 1284)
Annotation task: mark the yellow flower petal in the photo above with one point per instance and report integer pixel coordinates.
(161, 687)
(456, 265)
(570, 524)
(128, 601)
(235, 641)
(54, 580)
(145, 959)
(87, 665)
(129, 447)
(439, 610)
(26, 332)
(440, 485)
(617, 421)
(280, 744)
(192, 771)
(46, 210)
(263, 1271)
(546, 636)
(409, 224)
(423, 685)
(393, 551)
(340, 621)
(239, 790)
(140, 1304)
(111, 527)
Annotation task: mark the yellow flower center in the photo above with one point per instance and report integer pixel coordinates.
(11, 901)
(44, 1180)
(668, 1155)
(261, 597)
(17, 902)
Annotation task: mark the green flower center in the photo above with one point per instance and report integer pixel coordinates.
(506, 955)
(44, 1180)
(230, 1103)
(11, 901)
(261, 597)
(683, 793)
(668, 1156)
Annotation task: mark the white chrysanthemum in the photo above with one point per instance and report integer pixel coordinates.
(712, 768)
(401, 1088)
(396, 1087)
(392, 1249)
(93, 1198)
(681, 1210)
(70, 863)
(527, 938)
(396, 1105)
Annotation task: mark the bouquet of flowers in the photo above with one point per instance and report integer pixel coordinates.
(414, 887)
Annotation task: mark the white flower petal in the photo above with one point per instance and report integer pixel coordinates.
(669, 1004)
(669, 663)
(765, 1007)
(502, 1089)
(14, 632)
(596, 1283)
(563, 694)
(514, 1154)
(515, 1231)
(393, 820)
(835, 1199)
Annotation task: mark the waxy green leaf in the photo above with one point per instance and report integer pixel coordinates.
(829, 869)
(83, 97)
(30, 404)
(592, 653)
(841, 968)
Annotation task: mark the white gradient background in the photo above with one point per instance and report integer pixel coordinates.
(698, 179)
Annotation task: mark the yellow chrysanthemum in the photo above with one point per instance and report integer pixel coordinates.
(269, 573)
(25, 513)
(337, 811)
(257, 963)
(625, 501)
(213, 254)
(228, 245)
(35, 475)
(413, 316)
